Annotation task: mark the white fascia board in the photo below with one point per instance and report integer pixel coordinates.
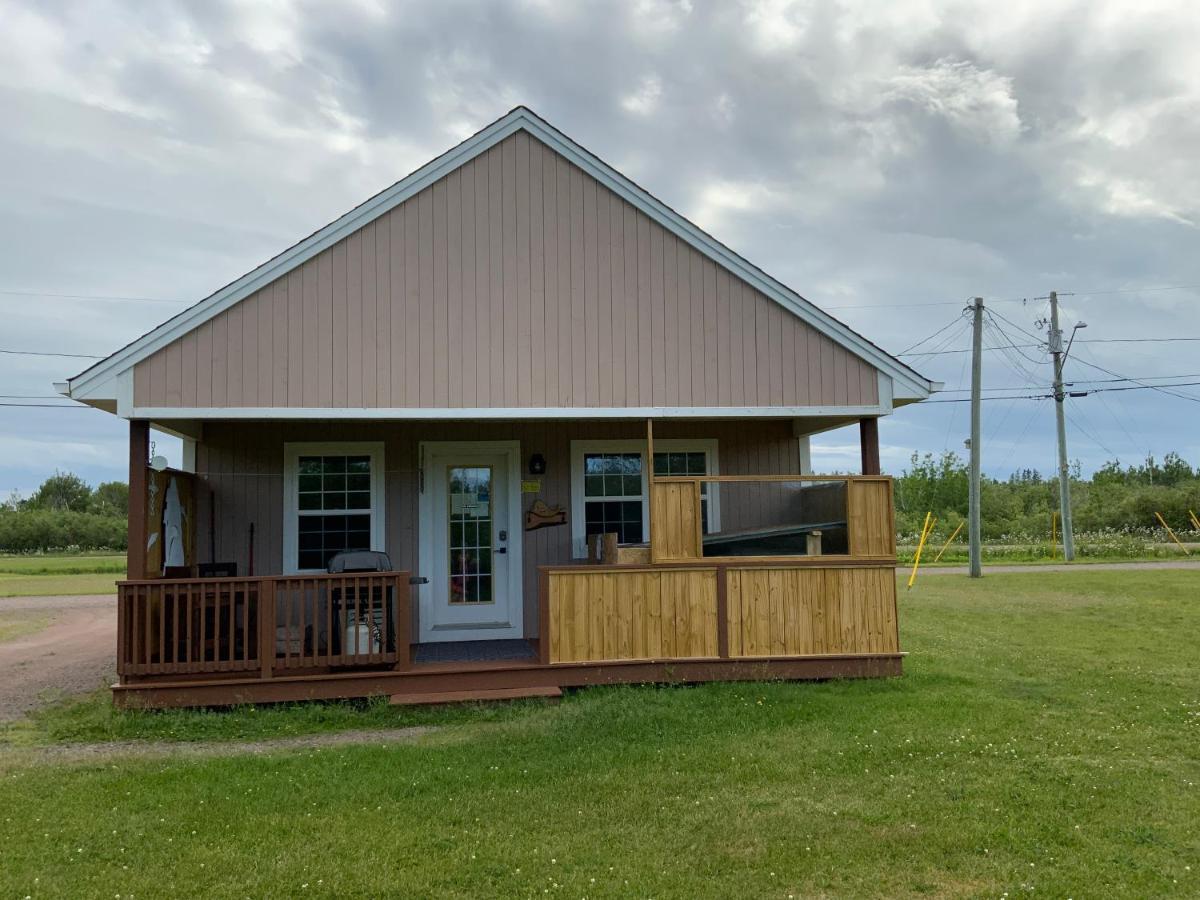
(274, 413)
(908, 383)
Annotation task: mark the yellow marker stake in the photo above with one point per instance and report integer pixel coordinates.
(925, 529)
(1195, 521)
(951, 538)
(1172, 534)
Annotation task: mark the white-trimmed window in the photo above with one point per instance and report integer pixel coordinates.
(333, 502)
(609, 485)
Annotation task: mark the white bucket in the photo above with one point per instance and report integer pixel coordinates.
(360, 639)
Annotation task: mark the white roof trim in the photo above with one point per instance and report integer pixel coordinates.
(300, 413)
(908, 384)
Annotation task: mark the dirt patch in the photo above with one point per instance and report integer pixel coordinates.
(86, 753)
(72, 655)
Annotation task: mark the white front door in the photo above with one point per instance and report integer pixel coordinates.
(470, 537)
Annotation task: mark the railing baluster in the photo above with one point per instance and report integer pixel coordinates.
(357, 619)
(163, 600)
(299, 598)
(146, 630)
(329, 626)
(267, 616)
(203, 646)
(190, 614)
(245, 661)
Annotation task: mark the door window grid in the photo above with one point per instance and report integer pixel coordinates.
(470, 540)
(333, 507)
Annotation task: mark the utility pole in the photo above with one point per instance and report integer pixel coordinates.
(976, 567)
(1064, 472)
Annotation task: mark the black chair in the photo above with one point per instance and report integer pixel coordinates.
(366, 604)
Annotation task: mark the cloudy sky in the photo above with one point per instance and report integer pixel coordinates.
(887, 160)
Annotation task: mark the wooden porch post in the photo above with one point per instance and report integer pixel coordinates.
(139, 452)
(868, 437)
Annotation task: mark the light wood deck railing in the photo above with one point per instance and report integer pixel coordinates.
(697, 600)
(262, 624)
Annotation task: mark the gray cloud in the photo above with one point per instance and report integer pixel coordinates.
(870, 155)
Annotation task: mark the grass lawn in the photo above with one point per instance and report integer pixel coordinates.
(66, 574)
(1043, 741)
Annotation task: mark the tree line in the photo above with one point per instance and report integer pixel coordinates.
(1116, 498)
(66, 513)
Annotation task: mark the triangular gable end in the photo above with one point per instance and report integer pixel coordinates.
(619, 304)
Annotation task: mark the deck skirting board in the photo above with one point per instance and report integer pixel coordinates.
(229, 692)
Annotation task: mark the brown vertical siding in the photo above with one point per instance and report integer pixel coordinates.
(242, 465)
(515, 281)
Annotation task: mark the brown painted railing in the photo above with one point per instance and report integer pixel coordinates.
(263, 625)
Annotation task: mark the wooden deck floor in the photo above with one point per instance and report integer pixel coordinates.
(452, 677)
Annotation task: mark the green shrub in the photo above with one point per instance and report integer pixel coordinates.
(44, 530)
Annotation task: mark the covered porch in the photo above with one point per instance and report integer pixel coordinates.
(726, 560)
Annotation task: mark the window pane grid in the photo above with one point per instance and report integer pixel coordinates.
(333, 504)
(612, 489)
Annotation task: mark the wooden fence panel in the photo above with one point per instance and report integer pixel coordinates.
(870, 517)
(806, 611)
(632, 614)
(675, 521)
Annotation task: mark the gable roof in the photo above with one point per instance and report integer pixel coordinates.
(100, 383)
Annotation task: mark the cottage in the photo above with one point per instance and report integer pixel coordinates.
(573, 426)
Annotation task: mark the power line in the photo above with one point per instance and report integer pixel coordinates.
(1086, 393)
(1160, 388)
(1165, 340)
(948, 325)
(15, 293)
(1158, 340)
(1077, 381)
(48, 353)
(1088, 434)
(1034, 337)
(1148, 290)
(1024, 430)
(46, 406)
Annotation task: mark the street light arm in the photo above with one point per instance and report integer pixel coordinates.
(1067, 352)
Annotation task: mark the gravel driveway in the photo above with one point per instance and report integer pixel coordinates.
(76, 653)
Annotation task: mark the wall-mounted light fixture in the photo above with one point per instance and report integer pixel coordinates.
(537, 464)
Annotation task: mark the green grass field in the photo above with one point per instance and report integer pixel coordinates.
(66, 574)
(1042, 742)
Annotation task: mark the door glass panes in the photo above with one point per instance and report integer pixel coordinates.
(612, 494)
(686, 463)
(470, 545)
(334, 503)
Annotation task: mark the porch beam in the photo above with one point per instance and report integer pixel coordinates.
(139, 454)
(868, 438)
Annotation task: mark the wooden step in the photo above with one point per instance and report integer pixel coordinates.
(547, 693)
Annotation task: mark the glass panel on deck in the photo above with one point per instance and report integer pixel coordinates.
(777, 518)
